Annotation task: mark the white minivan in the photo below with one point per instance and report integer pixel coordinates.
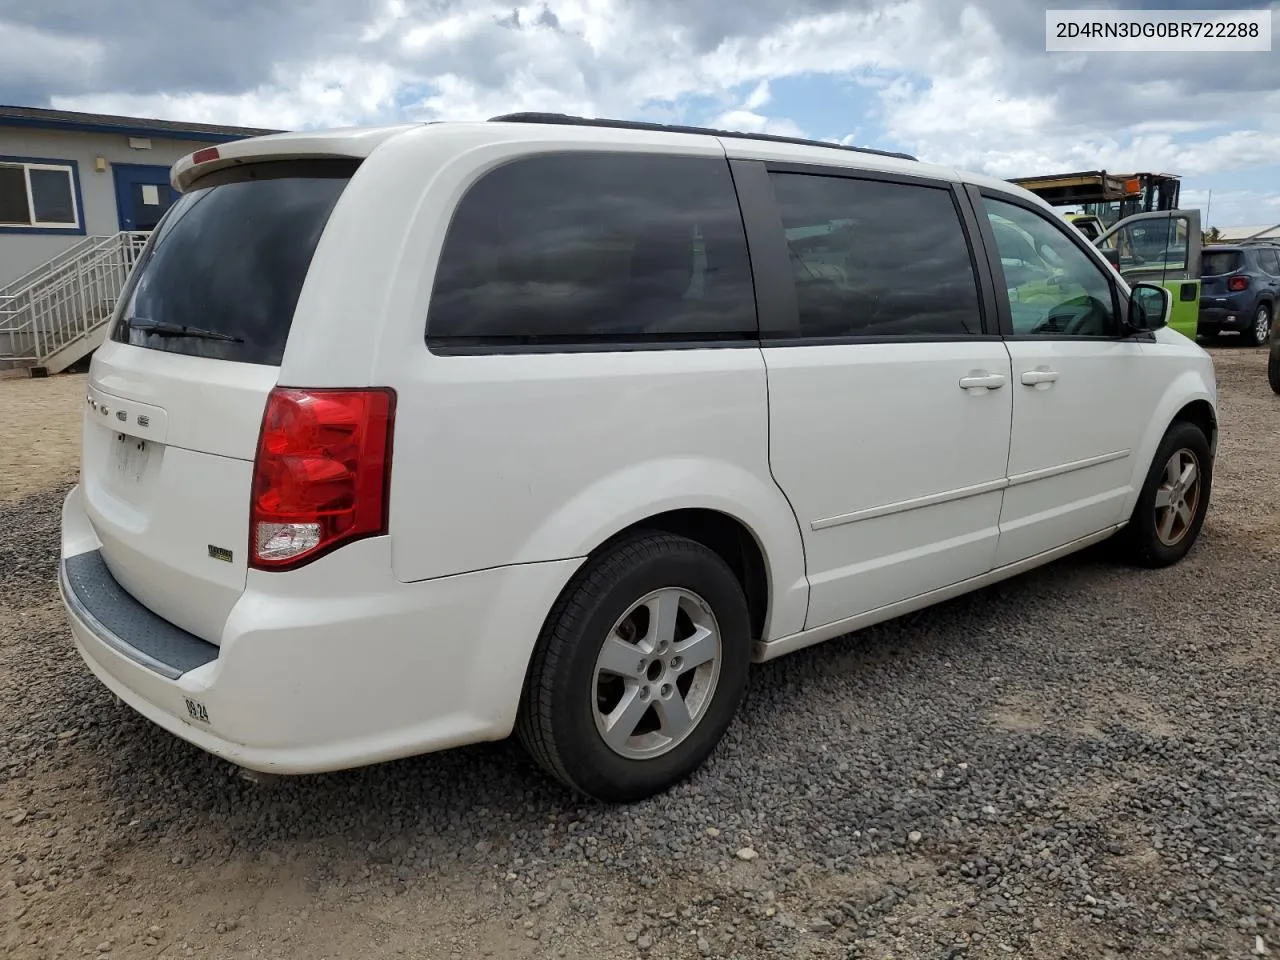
(411, 437)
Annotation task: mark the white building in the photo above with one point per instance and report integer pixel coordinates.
(1259, 232)
(78, 194)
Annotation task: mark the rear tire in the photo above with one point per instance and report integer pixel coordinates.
(1171, 508)
(1259, 331)
(611, 708)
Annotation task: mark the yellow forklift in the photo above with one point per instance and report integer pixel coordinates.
(1109, 197)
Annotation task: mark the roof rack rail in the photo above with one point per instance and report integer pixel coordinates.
(562, 118)
(1250, 241)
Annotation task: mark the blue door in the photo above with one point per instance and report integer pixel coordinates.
(143, 195)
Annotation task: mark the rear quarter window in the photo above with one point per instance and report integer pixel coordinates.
(1214, 263)
(594, 248)
(228, 260)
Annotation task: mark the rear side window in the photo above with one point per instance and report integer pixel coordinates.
(580, 248)
(1217, 262)
(221, 275)
(1270, 261)
(876, 259)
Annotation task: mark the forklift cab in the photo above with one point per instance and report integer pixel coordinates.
(1087, 224)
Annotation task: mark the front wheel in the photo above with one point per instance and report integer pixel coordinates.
(1260, 331)
(639, 669)
(1174, 500)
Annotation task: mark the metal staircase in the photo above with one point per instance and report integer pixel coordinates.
(57, 314)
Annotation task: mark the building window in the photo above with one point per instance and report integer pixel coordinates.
(38, 194)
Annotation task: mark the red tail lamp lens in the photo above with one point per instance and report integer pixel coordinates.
(321, 474)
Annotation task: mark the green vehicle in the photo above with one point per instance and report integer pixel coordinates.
(1162, 247)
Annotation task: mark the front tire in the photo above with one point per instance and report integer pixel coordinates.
(1260, 332)
(1171, 508)
(639, 669)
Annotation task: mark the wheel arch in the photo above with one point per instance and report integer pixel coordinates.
(727, 537)
(739, 513)
(1188, 398)
(1201, 413)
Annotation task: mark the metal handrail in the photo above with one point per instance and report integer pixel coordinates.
(66, 299)
(71, 253)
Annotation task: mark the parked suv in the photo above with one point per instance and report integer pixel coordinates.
(411, 437)
(1239, 290)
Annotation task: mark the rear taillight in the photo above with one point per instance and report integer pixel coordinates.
(320, 476)
(1236, 284)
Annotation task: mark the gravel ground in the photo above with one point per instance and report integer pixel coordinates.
(41, 433)
(1083, 762)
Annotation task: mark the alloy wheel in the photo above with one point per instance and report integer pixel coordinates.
(1177, 497)
(656, 673)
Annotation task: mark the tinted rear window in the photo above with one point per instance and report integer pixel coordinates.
(1217, 262)
(230, 258)
(595, 248)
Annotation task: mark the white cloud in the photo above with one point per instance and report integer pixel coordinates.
(35, 55)
(758, 97)
(329, 94)
(749, 122)
(747, 118)
(1228, 208)
(606, 57)
(966, 84)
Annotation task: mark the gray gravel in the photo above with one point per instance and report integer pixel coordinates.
(1084, 762)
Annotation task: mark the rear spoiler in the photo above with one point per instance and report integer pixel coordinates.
(347, 144)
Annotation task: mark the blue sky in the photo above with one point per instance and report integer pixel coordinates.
(962, 82)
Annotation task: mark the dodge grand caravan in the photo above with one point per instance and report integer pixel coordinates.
(418, 436)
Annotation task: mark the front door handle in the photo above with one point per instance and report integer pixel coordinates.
(982, 381)
(1039, 375)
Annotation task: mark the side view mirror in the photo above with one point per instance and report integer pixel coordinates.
(1149, 306)
(1113, 257)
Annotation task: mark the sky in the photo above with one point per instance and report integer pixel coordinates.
(961, 82)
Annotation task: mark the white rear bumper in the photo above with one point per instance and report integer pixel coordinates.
(331, 666)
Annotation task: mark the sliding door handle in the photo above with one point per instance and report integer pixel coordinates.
(1039, 375)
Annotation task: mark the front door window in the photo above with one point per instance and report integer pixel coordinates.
(1054, 289)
